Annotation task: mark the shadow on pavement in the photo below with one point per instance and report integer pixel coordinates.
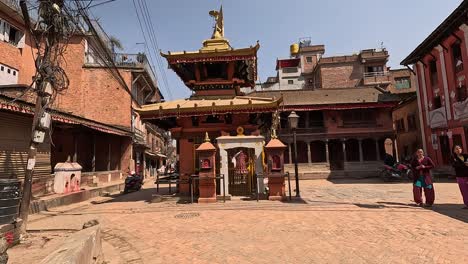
(454, 211)
(148, 195)
(373, 180)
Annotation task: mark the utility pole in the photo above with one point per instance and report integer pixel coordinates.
(44, 90)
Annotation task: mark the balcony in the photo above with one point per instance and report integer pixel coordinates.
(438, 118)
(373, 78)
(373, 55)
(124, 60)
(460, 110)
(139, 137)
(310, 130)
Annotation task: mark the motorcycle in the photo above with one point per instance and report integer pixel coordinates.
(401, 171)
(133, 182)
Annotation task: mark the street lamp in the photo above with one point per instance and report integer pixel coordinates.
(293, 119)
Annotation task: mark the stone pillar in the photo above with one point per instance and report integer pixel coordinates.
(327, 151)
(420, 109)
(464, 28)
(224, 170)
(377, 149)
(290, 153)
(309, 154)
(93, 161)
(448, 107)
(424, 91)
(344, 149)
(361, 154)
(75, 144)
(144, 164)
(395, 146)
(207, 182)
(275, 172)
(109, 156)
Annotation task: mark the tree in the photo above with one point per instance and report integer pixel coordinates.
(115, 43)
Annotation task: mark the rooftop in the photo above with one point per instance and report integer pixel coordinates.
(187, 107)
(337, 96)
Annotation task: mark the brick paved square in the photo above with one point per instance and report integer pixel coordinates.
(341, 222)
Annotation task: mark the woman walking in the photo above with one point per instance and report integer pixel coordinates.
(422, 179)
(460, 164)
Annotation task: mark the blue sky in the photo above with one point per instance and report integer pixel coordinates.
(342, 26)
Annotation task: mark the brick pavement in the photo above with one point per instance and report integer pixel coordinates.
(339, 223)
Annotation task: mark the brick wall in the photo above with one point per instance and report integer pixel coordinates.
(398, 74)
(14, 57)
(341, 75)
(410, 138)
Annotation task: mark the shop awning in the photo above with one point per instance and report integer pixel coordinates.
(18, 106)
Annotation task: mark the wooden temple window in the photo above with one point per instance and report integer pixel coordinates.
(213, 119)
(253, 119)
(228, 118)
(216, 70)
(195, 121)
(437, 102)
(457, 57)
(359, 117)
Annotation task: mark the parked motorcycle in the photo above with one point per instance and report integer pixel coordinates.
(400, 171)
(133, 182)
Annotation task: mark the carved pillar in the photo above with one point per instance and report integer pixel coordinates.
(327, 152)
(109, 156)
(377, 149)
(75, 152)
(361, 154)
(93, 161)
(344, 149)
(448, 107)
(309, 154)
(290, 152)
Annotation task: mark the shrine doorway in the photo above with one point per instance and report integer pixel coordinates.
(241, 171)
(229, 146)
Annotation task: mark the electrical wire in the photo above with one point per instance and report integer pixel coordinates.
(155, 39)
(149, 35)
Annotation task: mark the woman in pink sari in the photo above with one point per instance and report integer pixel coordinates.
(460, 164)
(422, 179)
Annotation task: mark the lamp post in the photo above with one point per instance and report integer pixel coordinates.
(293, 119)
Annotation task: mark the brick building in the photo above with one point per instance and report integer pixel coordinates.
(345, 106)
(93, 120)
(439, 63)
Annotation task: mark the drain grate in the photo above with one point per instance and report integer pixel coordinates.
(186, 215)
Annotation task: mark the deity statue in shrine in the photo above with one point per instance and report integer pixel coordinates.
(240, 162)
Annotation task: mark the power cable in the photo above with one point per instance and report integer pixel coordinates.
(144, 35)
(145, 23)
(153, 33)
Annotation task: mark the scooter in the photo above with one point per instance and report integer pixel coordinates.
(133, 182)
(401, 171)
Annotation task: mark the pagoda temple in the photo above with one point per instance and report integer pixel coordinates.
(216, 73)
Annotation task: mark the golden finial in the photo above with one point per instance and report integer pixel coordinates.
(207, 138)
(218, 31)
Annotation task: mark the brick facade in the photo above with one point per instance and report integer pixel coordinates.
(94, 93)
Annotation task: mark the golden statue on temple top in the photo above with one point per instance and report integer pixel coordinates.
(217, 41)
(275, 123)
(218, 31)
